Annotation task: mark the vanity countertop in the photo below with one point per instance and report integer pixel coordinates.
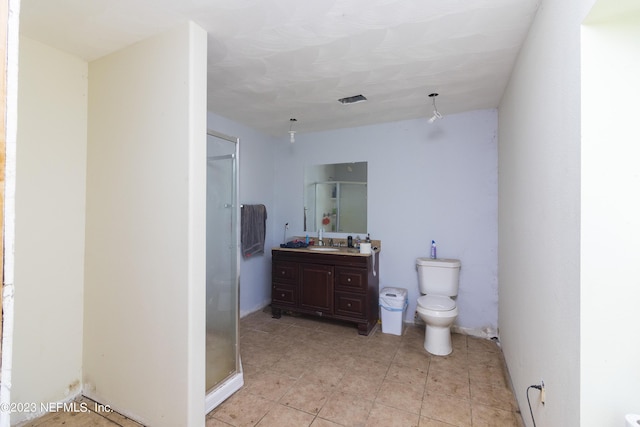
(334, 250)
(328, 250)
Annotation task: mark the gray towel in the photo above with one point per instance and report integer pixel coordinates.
(253, 229)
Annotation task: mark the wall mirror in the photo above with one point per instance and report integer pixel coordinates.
(335, 198)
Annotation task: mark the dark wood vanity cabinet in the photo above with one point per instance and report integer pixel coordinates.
(339, 286)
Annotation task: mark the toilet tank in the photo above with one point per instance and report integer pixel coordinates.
(438, 276)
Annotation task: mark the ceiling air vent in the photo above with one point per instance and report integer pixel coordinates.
(352, 99)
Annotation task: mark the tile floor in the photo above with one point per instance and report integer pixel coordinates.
(302, 371)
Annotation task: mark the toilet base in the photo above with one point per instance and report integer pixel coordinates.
(437, 340)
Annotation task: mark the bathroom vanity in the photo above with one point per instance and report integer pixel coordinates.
(337, 283)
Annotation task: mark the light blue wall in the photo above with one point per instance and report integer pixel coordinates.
(426, 181)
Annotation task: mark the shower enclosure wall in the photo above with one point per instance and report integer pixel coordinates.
(223, 368)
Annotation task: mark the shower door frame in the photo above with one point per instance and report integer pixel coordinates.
(234, 382)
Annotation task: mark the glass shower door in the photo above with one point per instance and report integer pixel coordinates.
(222, 253)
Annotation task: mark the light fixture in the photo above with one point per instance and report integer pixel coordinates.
(352, 99)
(436, 113)
(292, 133)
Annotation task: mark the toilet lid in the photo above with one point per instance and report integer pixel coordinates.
(436, 302)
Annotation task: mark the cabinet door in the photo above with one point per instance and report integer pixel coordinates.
(316, 288)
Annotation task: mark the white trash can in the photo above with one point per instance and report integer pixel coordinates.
(393, 305)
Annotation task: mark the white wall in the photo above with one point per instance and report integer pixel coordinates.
(610, 272)
(256, 186)
(145, 248)
(539, 216)
(426, 181)
(568, 216)
(49, 244)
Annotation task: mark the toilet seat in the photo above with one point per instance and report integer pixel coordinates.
(436, 303)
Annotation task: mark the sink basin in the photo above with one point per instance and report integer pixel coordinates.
(323, 249)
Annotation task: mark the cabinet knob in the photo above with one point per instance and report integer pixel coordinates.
(282, 295)
(329, 273)
(349, 305)
(283, 273)
(348, 279)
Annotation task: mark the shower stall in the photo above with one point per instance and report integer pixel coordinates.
(223, 367)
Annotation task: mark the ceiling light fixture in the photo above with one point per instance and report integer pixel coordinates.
(352, 99)
(292, 133)
(436, 113)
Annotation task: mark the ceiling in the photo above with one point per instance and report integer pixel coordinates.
(272, 60)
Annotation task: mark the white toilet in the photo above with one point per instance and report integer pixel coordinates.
(438, 282)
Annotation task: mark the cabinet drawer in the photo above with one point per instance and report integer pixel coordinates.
(350, 304)
(286, 272)
(284, 294)
(351, 279)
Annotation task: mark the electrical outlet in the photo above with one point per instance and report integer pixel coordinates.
(542, 392)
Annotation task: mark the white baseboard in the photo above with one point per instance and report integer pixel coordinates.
(486, 333)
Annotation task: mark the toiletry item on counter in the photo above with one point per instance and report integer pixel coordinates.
(365, 248)
(358, 241)
(350, 241)
(320, 235)
(368, 239)
(306, 239)
(433, 249)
